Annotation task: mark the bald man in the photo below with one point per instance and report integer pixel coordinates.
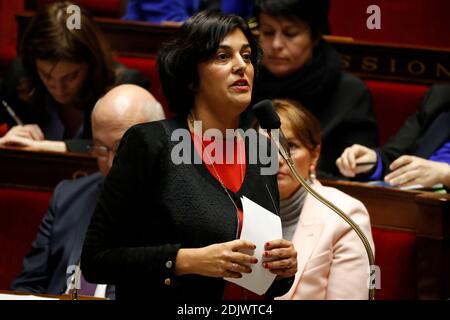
(57, 248)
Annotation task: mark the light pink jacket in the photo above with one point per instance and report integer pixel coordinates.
(332, 261)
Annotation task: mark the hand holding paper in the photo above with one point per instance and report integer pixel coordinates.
(261, 226)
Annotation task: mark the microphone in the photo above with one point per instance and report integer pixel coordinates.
(269, 120)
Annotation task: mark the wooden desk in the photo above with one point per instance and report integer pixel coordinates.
(51, 296)
(365, 59)
(426, 214)
(42, 170)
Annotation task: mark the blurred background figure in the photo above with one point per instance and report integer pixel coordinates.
(161, 11)
(60, 75)
(299, 65)
(61, 234)
(418, 155)
(332, 261)
(178, 11)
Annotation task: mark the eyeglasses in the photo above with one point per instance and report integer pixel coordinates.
(101, 152)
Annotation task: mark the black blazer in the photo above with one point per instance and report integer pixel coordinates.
(423, 132)
(150, 207)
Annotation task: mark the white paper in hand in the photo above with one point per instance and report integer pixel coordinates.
(259, 226)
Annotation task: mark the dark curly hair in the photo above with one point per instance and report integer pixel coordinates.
(196, 41)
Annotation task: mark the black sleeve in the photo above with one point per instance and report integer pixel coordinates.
(350, 119)
(405, 141)
(110, 254)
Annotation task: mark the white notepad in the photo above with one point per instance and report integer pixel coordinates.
(259, 226)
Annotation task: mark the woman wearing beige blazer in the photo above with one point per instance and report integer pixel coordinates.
(332, 261)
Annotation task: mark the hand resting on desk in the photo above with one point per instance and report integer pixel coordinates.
(34, 145)
(411, 170)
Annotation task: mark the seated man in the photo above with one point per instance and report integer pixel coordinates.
(418, 155)
(58, 244)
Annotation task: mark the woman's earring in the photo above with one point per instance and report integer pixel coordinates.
(312, 172)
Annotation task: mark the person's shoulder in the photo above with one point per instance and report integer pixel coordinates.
(342, 200)
(17, 65)
(153, 135)
(86, 184)
(440, 88)
(349, 81)
(143, 129)
(349, 93)
(15, 72)
(436, 99)
(352, 208)
(153, 128)
(91, 179)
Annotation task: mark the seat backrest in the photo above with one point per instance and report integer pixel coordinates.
(3, 129)
(394, 102)
(21, 212)
(395, 255)
(148, 67)
(413, 22)
(8, 32)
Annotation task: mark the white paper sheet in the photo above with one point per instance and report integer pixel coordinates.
(259, 226)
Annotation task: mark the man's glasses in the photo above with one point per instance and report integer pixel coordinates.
(101, 152)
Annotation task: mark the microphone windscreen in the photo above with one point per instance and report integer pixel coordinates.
(266, 115)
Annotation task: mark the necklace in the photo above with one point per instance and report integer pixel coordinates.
(191, 120)
(240, 161)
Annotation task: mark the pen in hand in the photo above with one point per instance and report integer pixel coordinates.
(12, 113)
(369, 163)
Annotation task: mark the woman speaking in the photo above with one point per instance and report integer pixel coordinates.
(170, 230)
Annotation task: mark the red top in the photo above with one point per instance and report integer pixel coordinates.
(232, 174)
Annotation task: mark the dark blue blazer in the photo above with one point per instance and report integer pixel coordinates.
(60, 237)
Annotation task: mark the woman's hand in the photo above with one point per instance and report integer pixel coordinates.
(217, 260)
(280, 258)
(33, 145)
(411, 170)
(28, 131)
(16, 141)
(347, 162)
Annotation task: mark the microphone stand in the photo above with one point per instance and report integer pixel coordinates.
(287, 157)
